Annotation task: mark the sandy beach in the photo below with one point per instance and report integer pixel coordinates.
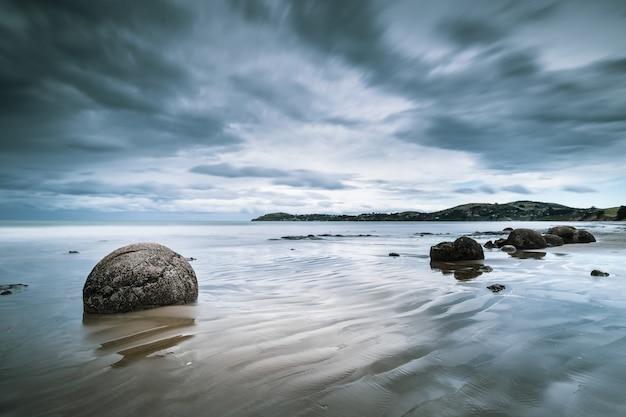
(329, 327)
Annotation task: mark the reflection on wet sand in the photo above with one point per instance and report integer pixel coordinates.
(138, 335)
(334, 328)
(461, 270)
(522, 254)
(143, 351)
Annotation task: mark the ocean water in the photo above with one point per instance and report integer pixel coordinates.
(331, 327)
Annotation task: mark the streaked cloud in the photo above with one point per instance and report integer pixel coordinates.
(246, 106)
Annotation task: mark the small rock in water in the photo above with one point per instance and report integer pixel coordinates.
(570, 234)
(583, 236)
(500, 242)
(488, 233)
(489, 245)
(393, 254)
(598, 273)
(508, 248)
(526, 239)
(496, 288)
(553, 240)
(72, 252)
(302, 237)
(462, 249)
(6, 289)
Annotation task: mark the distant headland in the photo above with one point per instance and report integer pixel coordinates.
(517, 210)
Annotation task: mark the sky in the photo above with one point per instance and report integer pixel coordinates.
(227, 110)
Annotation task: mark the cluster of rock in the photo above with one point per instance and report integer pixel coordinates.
(518, 240)
(531, 239)
(9, 288)
(147, 275)
(137, 277)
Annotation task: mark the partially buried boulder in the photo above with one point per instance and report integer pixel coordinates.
(526, 239)
(570, 234)
(138, 277)
(462, 249)
(553, 240)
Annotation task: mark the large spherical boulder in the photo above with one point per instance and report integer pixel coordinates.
(462, 249)
(526, 239)
(570, 234)
(553, 240)
(138, 277)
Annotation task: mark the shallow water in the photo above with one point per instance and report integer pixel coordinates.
(331, 327)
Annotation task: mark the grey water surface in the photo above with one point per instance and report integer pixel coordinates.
(329, 327)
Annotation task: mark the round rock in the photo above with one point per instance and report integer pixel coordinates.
(526, 239)
(462, 249)
(138, 277)
(583, 236)
(553, 240)
(564, 232)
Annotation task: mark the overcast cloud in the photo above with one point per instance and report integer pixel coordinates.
(241, 107)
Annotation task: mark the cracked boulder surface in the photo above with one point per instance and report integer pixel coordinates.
(138, 277)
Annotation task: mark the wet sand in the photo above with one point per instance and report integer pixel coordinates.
(331, 327)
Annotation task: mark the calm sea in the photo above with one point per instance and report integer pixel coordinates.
(330, 327)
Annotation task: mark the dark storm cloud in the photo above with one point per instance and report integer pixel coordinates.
(468, 31)
(503, 106)
(94, 82)
(100, 86)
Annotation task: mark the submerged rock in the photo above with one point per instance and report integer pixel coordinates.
(526, 239)
(9, 287)
(137, 277)
(489, 233)
(302, 237)
(496, 288)
(462, 249)
(393, 254)
(6, 292)
(570, 234)
(553, 240)
(598, 273)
